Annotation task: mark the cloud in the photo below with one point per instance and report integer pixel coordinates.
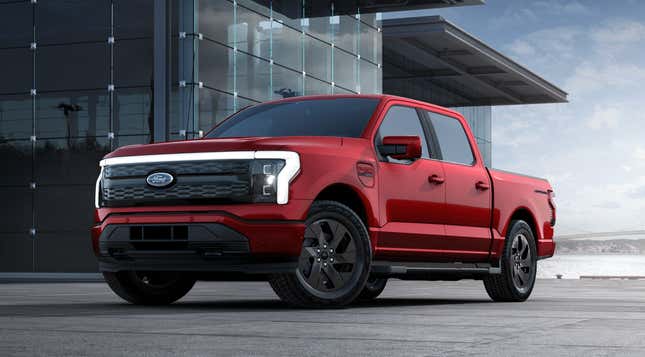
(638, 192)
(619, 31)
(600, 75)
(604, 118)
(563, 7)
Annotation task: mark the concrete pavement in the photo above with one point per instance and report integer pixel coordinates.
(563, 317)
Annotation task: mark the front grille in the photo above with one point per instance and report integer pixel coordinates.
(195, 182)
(185, 192)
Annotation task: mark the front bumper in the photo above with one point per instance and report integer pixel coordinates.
(204, 242)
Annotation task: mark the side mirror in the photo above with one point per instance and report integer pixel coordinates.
(401, 147)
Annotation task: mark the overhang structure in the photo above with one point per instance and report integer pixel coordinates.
(318, 8)
(430, 59)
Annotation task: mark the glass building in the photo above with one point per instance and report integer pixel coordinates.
(79, 78)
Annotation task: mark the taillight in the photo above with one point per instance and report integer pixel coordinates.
(552, 206)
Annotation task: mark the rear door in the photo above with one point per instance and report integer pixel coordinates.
(467, 186)
(411, 205)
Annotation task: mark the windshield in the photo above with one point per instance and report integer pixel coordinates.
(346, 117)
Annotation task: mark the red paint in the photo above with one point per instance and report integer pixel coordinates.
(426, 211)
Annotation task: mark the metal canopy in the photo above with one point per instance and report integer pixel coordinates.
(297, 9)
(430, 59)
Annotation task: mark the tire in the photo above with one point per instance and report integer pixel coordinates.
(149, 288)
(334, 263)
(373, 288)
(518, 265)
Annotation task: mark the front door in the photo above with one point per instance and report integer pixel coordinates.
(412, 194)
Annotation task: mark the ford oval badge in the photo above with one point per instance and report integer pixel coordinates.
(160, 179)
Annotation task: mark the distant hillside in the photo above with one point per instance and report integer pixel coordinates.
(614, 246)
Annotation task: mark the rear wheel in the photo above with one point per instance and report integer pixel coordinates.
(335, 259)
(149, 288)
(519, 265)
(373, 288)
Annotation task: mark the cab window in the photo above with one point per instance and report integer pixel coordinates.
(402, 121)
(452, 139)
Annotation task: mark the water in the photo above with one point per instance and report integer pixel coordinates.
(572, 266)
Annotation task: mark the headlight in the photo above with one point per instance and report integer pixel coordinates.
(264, 173)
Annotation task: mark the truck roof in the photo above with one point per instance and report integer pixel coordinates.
(382, 97)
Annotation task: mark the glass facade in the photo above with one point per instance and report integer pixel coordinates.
(480, 120)
(73, 88)
(77, 87)
(235, 53)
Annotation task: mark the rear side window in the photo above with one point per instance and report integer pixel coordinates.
(402, 121)
(453, 142)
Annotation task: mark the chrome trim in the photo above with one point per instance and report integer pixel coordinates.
(97, 188)
(286, 175)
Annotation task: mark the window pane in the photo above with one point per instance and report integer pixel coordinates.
(72, 21)
(345, 30)
(17, 77)
(369, 40)
(16, 158)
(319, 27)
(133, 111)
(16, 117)
(15, 211)
(16, 252)
(314, 86)
(123, 140)
(344, 69)
(133, 63)
(253, 77)
(345, 117)
(64, 207)
(287, 46)
(214, 106)
(216, 66)
(452, 139)
(286, 83)
(369, 77)
(78, 66)
(253, 32)
(72, 114)
(133, 18)
(318, 58)
(69, 161)
(16, 25)
(402, 121)
(216, 20)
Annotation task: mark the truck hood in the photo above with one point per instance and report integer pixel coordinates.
(291, 143)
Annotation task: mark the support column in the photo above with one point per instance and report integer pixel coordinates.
(161, 81)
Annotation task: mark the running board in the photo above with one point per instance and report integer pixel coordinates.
(403, 268)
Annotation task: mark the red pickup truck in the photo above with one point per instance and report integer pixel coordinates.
(326, 197)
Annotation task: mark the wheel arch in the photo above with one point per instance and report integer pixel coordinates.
(524, 214)
(350, 197)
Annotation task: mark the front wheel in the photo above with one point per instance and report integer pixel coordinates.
(519, 266)
(334, 262)
(149, 288)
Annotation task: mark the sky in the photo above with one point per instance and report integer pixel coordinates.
(591, 149)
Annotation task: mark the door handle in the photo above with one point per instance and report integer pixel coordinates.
(481, 185)
(436, 179)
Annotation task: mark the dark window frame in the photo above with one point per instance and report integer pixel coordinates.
(426, 131)
(428, 122)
